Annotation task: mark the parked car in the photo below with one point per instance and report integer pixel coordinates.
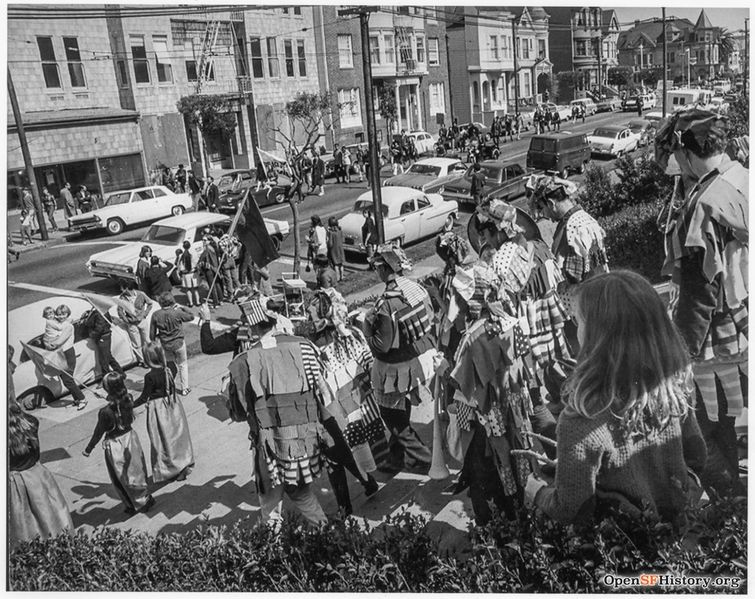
(587, 103)
(563, 111)
(645, 129)
(504, 179)
(408, 215)
(482, 128)
(330, 163)
(233, 186)
(611, 104)
(26, 324)
(562, 153)
(526, 118)
(429, 174)
(165, 237)
(648, 101)
(130, 207)
(423, 141)
(613, 141)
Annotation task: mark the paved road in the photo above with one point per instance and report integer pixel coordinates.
(64, 265)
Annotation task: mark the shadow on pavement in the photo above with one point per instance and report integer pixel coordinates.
(215, 407)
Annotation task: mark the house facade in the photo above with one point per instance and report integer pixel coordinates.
(483, 80)
(692, 49)
(575, 40)
(67, 92)
(409, 71)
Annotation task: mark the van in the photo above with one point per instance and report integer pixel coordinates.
(560, 153)
(679, 99)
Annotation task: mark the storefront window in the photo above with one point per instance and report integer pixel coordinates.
(121, 172)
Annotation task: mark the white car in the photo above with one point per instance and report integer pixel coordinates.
(408, 215)
(130, 207)
(613, 141)
(563, 111)
(590, 106)
(26, 324)
(165, 237)
(429, 174)
(423, 141)
(719, 105)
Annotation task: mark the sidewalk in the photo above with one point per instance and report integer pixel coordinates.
(13, 221)
(219, 490)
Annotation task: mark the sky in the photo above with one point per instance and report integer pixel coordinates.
(731, 18)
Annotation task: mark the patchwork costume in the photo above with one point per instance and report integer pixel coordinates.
(399, 332)
(707, 254)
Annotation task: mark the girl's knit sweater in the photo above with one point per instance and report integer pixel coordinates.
(597, 460)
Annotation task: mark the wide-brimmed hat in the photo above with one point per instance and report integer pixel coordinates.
(393, 257)
(450, 245)
(701, 124)
(501, 214)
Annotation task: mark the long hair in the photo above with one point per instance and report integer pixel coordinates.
(154, 356)
(632, 360)
(20, 430)
(119, 398)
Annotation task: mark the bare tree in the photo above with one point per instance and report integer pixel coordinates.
(306, 119)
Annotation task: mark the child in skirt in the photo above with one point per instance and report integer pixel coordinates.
(169, 439)
(124, 457)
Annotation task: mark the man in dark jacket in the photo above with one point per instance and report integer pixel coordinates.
(478, 183)
(181, 179)
(156, 281)
(100, 332)
(213, 193)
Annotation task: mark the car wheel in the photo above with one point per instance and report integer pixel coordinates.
(177, 210)
(581, 169)
(115, 226)
(451, 220)
(564, 174)
(280, 197)
(400, 241)
(35, 397)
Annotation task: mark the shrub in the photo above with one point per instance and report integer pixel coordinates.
(640, 181)
(528, 555)
(633, 240)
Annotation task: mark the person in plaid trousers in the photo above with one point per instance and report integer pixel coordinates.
(578, 242)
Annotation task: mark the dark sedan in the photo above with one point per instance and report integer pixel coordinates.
(503, 180)
(233, 186)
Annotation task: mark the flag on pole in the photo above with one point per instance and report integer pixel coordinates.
(49, 363)
(252, 232)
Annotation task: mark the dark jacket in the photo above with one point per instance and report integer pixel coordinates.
(167, 325)
(96, 324)
(156, 280)
(212, 194)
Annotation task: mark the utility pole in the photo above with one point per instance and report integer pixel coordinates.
(516, 66)
(747, 55)
(665, 58)
(450, 92)
(27, 158)
(364, 26)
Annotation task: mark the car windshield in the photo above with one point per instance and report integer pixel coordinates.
(543, 144)
(362, 205)
(226, 180)
(606, 133)
(424, 169)
(491, 172)
(164, 235)
(118, 198)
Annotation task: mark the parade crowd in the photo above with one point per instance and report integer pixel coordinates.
(565, 386)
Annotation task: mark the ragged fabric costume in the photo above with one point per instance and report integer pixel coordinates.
(707, 255)
(399, 332)
(353, 418)
(278, 380)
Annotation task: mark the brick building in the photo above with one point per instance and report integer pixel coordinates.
(408, 52)
(68, 96)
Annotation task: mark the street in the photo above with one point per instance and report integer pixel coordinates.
(64, 267)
